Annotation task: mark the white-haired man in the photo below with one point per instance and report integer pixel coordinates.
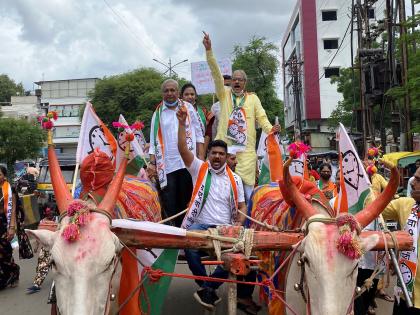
(174, 179)
(239, 112)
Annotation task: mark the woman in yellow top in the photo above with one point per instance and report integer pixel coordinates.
(239, 111)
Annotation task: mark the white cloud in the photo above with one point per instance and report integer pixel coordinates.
(61, 39)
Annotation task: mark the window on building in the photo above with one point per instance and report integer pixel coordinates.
(332, 72)
(371, 13)
(330, 15)
(330, 43)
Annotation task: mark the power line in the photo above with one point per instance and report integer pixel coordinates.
(123, 23)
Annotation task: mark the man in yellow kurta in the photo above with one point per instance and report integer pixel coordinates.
(239, 111)
(406, 210)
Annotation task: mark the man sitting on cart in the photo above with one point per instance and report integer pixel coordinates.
(217, 195)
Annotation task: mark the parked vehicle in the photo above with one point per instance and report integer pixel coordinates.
(44, 187)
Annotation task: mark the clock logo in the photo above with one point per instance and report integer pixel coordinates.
(97, 139)
(406, 273)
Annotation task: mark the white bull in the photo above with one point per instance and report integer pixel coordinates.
(83, 268)
(329, 271)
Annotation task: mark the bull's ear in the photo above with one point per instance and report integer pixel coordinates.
(369, 242)
(45, 237)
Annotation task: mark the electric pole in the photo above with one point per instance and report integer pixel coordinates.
(404, 54)
(361, 45)
(294, 69)
(169, 67)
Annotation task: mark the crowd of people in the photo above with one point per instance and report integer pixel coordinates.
(205, 161)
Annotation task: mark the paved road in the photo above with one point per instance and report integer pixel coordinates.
(15, 301)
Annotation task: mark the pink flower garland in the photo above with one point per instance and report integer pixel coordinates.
(348, 242)
(296, 149)
(79, 214)
(47, 120)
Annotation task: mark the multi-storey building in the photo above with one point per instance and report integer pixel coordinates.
(27, 107)
(67, 98)
(318, 39)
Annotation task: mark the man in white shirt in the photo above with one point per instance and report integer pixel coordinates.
(174, 179)
(218, 194)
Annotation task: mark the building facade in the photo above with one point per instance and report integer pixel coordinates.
(67, 98)
(316, 45)
(26, 107)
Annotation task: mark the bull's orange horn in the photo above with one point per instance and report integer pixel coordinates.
(62, 194)
(373, 210)
(108, 202)
(292, 194)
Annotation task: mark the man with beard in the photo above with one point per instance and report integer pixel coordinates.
(217, 197)
(165, 161)
(406, 211)
(239, 112)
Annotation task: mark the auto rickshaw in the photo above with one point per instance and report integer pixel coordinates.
(45, 190)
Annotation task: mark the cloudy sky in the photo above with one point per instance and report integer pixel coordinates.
(64, 39)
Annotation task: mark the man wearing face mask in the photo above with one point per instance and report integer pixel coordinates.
(165, 161)
(217, 197)
(406, 211)
(324, 183)
(239, 113)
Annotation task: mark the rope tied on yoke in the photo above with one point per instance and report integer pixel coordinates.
(242, 244)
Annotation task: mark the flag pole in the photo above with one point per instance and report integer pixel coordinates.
(76, 171)
(397, 269)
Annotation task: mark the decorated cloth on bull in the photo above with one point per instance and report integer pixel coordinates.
(202, 189)
(139, 200)
(268, 205)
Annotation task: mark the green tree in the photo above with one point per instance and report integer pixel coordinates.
(351, 97)
(8, 88)
(259, 59)
(19, 139)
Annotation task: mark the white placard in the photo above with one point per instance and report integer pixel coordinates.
(201, 75)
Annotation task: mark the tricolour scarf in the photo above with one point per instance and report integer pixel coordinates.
(159, 145)
(7, 201)
(201, 191)
(408, 258)
(202, 120)
(237, 126)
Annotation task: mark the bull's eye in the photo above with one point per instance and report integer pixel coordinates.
(110, 264)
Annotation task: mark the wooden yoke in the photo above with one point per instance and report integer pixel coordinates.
(263, 240)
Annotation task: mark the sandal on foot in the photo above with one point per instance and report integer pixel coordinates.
(384, 296)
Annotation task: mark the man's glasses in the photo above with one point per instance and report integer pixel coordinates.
(238, 79)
